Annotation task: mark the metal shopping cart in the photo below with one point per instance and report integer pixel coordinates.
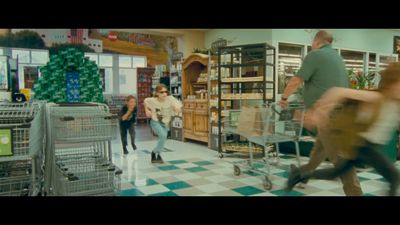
(21, 148)
(275, 125)
(78, 157)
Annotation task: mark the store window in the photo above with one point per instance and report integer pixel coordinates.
(139, 61)
(93, 57)
(125, 61)
(127, 81)
(22, 55)
(40, 57)
(105, 60)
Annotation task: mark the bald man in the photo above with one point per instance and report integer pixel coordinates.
(322, 69)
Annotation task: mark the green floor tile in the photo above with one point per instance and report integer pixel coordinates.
(203, 163)
(287, 156)
(368, 194)
(282, 192)
(248, 190)
(131, 192)
(169, 167)
(361, 179)
(284, 174)
(196, 169)
(251, 173)
(177, 161)
(177, 185)
(168, 193)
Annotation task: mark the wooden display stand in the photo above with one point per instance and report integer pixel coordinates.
(195, 111)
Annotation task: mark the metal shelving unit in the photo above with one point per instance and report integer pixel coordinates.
(246, 76)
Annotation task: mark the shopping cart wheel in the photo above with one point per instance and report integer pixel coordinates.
(267, 184)
(73, 178)
(118, 172)
(220, 155)
(236, 170)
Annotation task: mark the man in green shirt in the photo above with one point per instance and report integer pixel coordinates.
(322, 69)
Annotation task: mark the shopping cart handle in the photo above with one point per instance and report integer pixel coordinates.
(67, 118)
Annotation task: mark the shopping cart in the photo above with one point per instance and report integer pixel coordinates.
(276, 125)
(78, 157)
(21, 148)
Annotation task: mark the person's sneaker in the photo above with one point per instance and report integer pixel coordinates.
(125, 151)
(159, 159)
(153, 157)
(293, 178)
(134, 146)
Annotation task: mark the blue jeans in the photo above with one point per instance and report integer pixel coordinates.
(162, 131)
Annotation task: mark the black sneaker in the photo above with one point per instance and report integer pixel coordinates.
(153, 157)
(159, 159)
(125, 150)
(293, 178)
(134, 146)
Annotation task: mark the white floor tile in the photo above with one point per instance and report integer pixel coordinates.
(251, 180)
(138, 163)
(187, 176)
(153, 189)
(324, 184)
(210, 188)
(325, 193)
(186, 165)
(157, 174)
(219, 178)
(369, 175)
(368, 188)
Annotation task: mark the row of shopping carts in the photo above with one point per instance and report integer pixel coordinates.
(57, 149)
(22, 137)
(272, 126)
(78, 157)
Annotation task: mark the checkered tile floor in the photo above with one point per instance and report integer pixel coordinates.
(194, 170)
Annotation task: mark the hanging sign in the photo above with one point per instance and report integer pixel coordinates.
(218, 43)
(177, 56)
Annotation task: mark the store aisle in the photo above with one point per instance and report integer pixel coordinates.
(194, 170)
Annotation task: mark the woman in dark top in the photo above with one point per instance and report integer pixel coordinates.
(127, 119)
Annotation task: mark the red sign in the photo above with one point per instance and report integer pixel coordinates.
(112, 36)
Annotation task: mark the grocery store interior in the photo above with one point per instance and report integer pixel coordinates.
(63, 93)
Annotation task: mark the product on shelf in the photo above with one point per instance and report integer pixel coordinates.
(144, 88)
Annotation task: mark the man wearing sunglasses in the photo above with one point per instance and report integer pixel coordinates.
(160, 109)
